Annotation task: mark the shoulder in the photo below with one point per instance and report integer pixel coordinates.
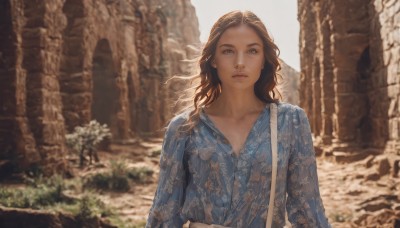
(297, 114)
(289, 108)
(176, 124)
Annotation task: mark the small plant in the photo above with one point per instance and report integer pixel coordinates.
(85, 139)
(141, 174)
(38, 194)
(41, 193)
(90, 206)
(155, 152)
(118, 168)
(120, 181)
(85, 210)
(105, 181)
(116, 180)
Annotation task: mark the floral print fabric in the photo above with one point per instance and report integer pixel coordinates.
(202, 180)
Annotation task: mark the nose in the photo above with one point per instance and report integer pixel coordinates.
(239, 65)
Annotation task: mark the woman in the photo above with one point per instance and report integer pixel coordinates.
(215, 166)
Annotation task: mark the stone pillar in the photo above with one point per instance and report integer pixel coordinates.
(385, 75)
(74, 82)
(316, 88)
(326, 71)
(308, 39)
(42, 41)
(350, 23)
(16, 140)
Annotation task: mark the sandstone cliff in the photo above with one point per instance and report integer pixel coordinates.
(65, 62)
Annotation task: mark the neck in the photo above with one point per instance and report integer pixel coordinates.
(236, 104)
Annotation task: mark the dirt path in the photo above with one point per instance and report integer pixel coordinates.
(133, 206)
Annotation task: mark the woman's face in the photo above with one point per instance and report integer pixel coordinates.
(239, 58)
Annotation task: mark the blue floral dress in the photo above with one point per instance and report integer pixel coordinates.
(202, 180)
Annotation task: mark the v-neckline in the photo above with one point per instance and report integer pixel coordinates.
(243, 146)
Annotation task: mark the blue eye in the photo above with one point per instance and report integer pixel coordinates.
(253, 51)
(227, 51)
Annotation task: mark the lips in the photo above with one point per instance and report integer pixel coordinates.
(239, 76)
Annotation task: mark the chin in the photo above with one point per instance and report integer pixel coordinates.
(240, 86)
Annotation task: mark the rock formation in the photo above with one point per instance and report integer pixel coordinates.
(350, 89)
(288, 85)
(65, 62)
(350, 77)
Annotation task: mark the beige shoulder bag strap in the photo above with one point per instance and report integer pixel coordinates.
(274, 147)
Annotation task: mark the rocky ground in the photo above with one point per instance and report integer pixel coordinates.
(358, 194)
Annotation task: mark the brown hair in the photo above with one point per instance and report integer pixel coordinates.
(208, 86)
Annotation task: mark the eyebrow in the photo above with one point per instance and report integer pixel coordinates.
(230, 45)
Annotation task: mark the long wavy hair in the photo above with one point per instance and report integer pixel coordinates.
(207, 86)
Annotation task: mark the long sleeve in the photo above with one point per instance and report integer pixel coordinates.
(169, 197)
(304, 204)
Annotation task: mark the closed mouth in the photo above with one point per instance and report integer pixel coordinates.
(240, 76)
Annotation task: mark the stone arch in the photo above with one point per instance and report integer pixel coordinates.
(364, 65)
(131, 100)
(73, 83)
(105, 95)
(364, 127)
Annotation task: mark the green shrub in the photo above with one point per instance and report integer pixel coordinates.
(48, 194)
(85, 210)
(85, 139)
(107, 182)
(98, 181)
(118, 168)
(155, 152)
(39, 193)
(118, 178)
(90, 206)
(141, 174)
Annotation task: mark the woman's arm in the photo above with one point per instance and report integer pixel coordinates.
(169, 196)
(304, 204)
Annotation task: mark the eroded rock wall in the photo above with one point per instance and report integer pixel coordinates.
(350, 74)
(66, 62)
